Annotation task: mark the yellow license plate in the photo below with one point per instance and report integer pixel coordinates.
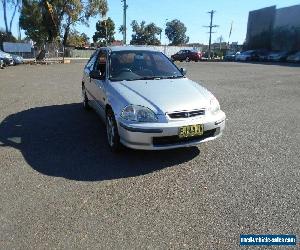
(190, 131)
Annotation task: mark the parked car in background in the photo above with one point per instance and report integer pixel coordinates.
(5, 61)
(262, 55)
(17, 59)
(279, 56)
(230, 56)
(7, 58)
(187, 55)
(146, 102)
(250, 55)
(295, 58)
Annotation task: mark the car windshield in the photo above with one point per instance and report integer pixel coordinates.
(141, 65)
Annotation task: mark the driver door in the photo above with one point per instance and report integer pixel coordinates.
(99, 85)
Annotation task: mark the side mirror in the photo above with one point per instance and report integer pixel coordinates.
(183, 71)
(95, 74)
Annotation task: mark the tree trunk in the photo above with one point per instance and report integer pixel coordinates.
(4, 2)
(67, 30)
(13, 15)
(66, 34)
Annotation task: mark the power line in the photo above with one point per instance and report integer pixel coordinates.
(125, 6)
(211, 26)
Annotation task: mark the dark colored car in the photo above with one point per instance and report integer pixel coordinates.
(6, 58)
(230, 56)
(294, 57)
(262, 55)
(5, 61)
(187, 55)
(250, 55)
(279, 56)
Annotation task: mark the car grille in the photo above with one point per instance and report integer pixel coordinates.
(175, 139)
(186, 114)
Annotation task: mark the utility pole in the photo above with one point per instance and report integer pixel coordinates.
(165, 48)
(160, 36)
(105, 22)
(125, 6)
(211, 26)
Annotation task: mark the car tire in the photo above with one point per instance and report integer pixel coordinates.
(85, 100)
(187, 59)
(112, 133)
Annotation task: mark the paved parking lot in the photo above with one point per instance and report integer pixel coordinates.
(60, 186)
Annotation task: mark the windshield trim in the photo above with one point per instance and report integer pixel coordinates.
(180, 75)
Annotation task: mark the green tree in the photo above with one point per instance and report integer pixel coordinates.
(145, 34)
(175, 31)
(85, 38)
(57, 17)
(76, 39)
(105, 31)
(6, 37)
(31, 20)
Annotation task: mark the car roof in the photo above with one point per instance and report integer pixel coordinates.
(129, 48)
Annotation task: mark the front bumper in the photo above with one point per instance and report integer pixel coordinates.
(159, 136)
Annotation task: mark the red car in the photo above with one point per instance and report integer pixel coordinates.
(187, 55)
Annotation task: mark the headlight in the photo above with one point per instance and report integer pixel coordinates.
(214, 105)
(137, 113)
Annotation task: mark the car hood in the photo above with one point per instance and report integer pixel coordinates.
(165, 95)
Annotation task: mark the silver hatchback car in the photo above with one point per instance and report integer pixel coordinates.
(147, 102)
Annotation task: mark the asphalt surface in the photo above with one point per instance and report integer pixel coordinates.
(61, 187)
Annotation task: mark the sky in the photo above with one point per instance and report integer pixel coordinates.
(193, 13)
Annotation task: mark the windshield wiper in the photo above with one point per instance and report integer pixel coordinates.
(172, 77)
(149, 78)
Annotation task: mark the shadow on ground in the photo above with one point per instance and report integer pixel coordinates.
(66, 141)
